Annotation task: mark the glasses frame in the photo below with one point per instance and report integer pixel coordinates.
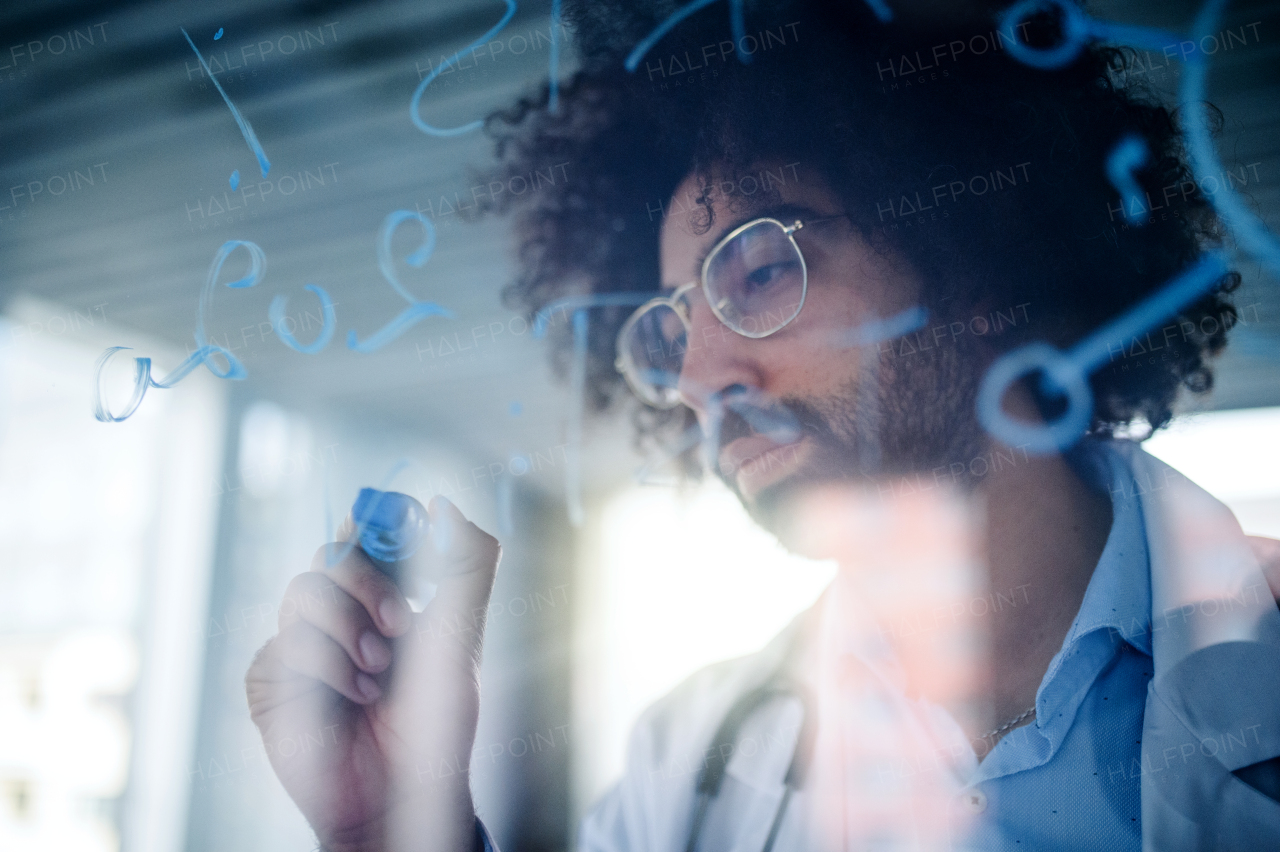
(676, 301)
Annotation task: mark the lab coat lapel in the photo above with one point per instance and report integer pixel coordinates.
(1213, 704)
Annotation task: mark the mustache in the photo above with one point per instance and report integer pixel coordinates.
(741, 411)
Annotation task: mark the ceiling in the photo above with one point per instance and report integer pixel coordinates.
(133, 110)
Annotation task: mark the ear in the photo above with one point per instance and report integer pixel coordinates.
(1267, 551)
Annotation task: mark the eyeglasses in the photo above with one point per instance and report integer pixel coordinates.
(754, 280)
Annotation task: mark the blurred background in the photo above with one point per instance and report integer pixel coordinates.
(144, 560)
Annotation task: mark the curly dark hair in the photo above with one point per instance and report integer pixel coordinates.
(854, 100)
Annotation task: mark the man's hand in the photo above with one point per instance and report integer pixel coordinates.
(387, 700)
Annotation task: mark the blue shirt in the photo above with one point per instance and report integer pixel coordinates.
(1072, 779)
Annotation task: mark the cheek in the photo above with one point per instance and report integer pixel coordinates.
(805, 365)
(835, 306)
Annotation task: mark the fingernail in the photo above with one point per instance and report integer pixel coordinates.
(393, 614)
(368, 686)
(375, 652)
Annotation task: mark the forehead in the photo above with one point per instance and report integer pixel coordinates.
(704, 207)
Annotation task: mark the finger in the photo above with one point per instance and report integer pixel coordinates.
(317, 600)
(463, 561)
(356, 575)
(304, 649)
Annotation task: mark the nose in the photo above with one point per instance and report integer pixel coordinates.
(716, 358)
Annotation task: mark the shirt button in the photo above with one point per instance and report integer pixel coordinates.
(974, 801)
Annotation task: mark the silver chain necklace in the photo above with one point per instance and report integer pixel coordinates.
(1009, 724)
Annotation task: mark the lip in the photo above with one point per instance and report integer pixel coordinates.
(755, 461)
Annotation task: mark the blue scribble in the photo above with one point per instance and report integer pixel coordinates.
(877, 331)
(1250, 232)
(647, 43)
(506, 505)
(578, 378)
(257, 268)
(276, 313)
(417, 311)
(235, 179)
(765, 415)
(205, 351)
(1068, 372)
(142, 380)
(1077, 30)
(881, 10)
(217, 36)
(578, 383)
(1129, 155)
(444, 66)
(593, 300)
(553, 61)
(738, 27)
(402, 322)
(249, 136)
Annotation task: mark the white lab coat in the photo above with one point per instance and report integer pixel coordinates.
(1216, 652)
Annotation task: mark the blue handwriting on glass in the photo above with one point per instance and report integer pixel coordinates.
(1078, 29)
(1129, 155)
(205, 351)
(245, 129)
(417, 310)
(1068, 372)
(1250, 232)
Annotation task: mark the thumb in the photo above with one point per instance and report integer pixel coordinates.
(462, 560)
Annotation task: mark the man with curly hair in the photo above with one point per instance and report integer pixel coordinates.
(837, 238)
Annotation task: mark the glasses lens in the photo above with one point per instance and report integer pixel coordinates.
(653, 352)
(755, 282)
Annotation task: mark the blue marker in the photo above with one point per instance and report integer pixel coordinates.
(217, 36)
(391, 526)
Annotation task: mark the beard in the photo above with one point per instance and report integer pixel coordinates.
(900, 416)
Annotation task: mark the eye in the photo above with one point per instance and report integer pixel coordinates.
(765, 276)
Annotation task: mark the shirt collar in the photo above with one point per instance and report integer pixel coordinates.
(1118, 596)
(1116, 608)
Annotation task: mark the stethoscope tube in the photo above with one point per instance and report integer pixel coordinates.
(711, 778)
